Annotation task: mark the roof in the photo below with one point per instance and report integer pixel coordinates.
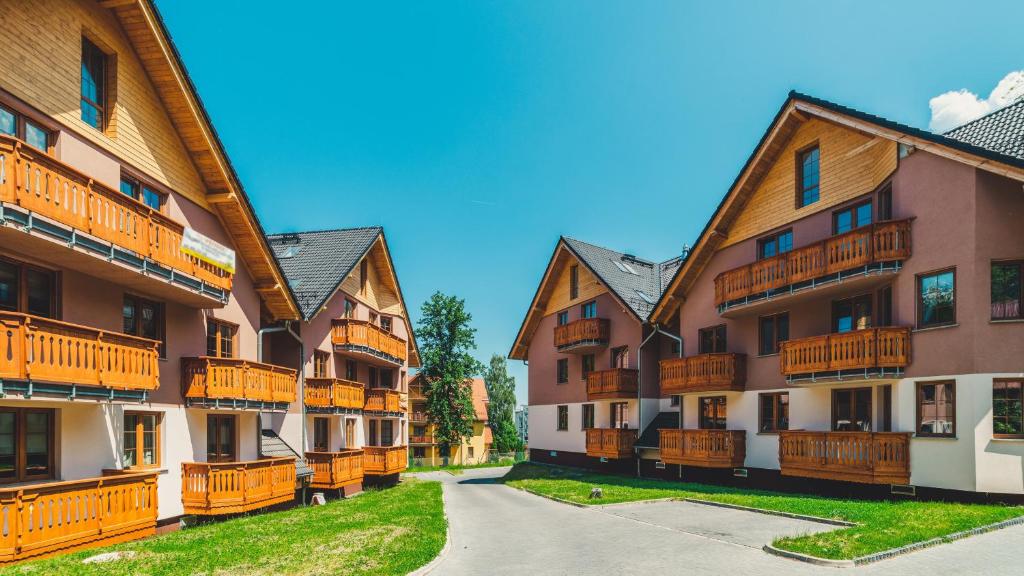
(1001, 131)
(480, 399)
(650, 438)
(488, 435)
(272, 446)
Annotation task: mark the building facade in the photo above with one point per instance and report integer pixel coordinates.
(425, 450)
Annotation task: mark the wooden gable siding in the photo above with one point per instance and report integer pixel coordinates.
(41, 56)
(590, 287)
(381, 293)
(851, 164)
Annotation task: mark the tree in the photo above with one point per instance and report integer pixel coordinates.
(501, 391)
(445, 339)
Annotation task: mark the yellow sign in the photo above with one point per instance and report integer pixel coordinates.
(208, 251)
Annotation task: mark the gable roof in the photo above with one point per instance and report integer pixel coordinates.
(1001, 131)
(981, 152)
(480, 399)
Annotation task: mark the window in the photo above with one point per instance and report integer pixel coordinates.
(350, 309)
(885, 203)
(220, 338)
(851, 410)
(8, 122)
(351, 371)
(851, 314)
(1007, 408)
(145, 194)
(673, 400)
(775, 244)
(321, 434)
(220, 437)
(853, 217)
(586, 365)
(563, 418)
(471, 452)
(563, 318)
(1006, 290)
(387, 377)
(18, 126)
(145, 318)
(589, 310)
(620, 415)
(364, 277)
(807, 177)
(141, 440)
(712, 413)
(562, 370)
(620, 357)
(419, 452)
(711, 340)
(28, 289)
(574, 282)
(774, 413)
(773, 331)
(885, 315)
(321, 360)
(371, 377)
(36, 136)
(26, 444)
(94, 75)
(350, 433)
(936, 298)
(936, 408)
(385, 323)
(588, 416)
(387, 435)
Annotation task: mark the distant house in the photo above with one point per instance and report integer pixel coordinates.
(426, 450)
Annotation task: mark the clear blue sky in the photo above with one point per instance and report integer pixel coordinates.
(478, 132)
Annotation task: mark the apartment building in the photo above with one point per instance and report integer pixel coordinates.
(593, 372)
(427, 451)
(357, 345)
(851, 312)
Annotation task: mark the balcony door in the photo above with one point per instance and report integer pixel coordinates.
(851, 314)
(350, 433)
(620, 415)
(321, 434)
(712, 413)
(851, 410)
(221, 438)
(26, 444)
(620, 357)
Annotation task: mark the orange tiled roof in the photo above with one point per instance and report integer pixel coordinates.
(480, 399)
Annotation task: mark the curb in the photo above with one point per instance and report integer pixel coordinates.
(792, 515)
(445, 550)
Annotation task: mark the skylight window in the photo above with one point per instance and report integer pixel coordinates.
(645, 297)
(291, 252)
(623, 267)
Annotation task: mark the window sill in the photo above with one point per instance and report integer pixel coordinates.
(1010, 439)
(767, 434)
(932, 328)
(935, 437)
(1006, 321)
(773, 355)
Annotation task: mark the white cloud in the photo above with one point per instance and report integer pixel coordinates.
(958, 107)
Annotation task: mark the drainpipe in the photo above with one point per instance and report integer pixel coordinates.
(640, 377)
(302, 372)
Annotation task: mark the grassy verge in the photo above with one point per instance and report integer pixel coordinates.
(390, 531)
(455, 468)
(881, 525)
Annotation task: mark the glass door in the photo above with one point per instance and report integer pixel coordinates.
(220, 438)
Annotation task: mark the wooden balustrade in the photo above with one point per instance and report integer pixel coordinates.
(347, 332)
(614, 383)
(333, 470)
(703, 373)
(704, 448)
(582, 334)
(334, 393)
(44, 519)
(421, 439)
(384, 460)
(45, 350)
(610, 442)
(211, 488)
(856, 350)
(37, 182)
(236, 379)
(418, 416)
(382, 400)
(867, 457)
(881, 242)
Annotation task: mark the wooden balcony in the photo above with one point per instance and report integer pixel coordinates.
(583, 335)
(610, 442)
(384, 460)
(328, 393)
(703, 448)
(614, 383)
(382, 400)
(418, 416)
(369, 341)
(866, 457)
(58, 517)
(822, 263)
(232, 487)
(704, 373)
(236, 382)
(35, 182)
(38, 349)
(421, 439)
(873, 352)
(333, 470)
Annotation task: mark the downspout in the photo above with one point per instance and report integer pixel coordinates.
(302, 372)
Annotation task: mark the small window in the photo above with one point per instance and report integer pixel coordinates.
(1006, 290)
(772, 332)
(563, 418)
(586, 365)
(936, 299)
(562, 318)
(364, 277)
(419, 452)
(562, 370)
(220, 338)
(711, 340)
(351, 371)
(807, 177)
(350, 309)
(853, 217)
(851, 314)
(712, 413)
(1008, 408)
(130, 187)
(145, 318)
(471, 456)
(8, 122)
(936, 408)
(321, 361)
(885, 203)
(589, 310)
(94, 76)
(673, 400)
(774, 412)
(574, 282)
(321, 434)
(21, 127)
(588, 416)
(141, 440)
(36, 136)
(851, 410)
(775, 244)
(385, 323)
(147, 195)
(27, 289)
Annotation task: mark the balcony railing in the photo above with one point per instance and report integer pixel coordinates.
(418, 416)
(859, 352)
(44, 350)
(362, 336)
(583, 334)
(209, 488)
(610, 442)
(333, 470)
(382, 400)
(212, 378)
(614, 383)
(867, 457)
(704, 373)
(334, 393)
(421, 439)
(384, 460)
(868, 245)
(703, 448)
(42, 519)
(39, 183)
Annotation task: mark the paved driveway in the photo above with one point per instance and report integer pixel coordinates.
(499, 530)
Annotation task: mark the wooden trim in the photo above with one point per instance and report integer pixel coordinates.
(917, 407)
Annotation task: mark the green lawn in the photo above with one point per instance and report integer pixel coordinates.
(881, 525)
(389, 531)
(456, 468)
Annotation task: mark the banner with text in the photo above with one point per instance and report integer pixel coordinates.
(207, 250)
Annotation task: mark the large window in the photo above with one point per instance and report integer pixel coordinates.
(321, 434)
(1008, 408)
(774, 412)
(772, 332)
(1006, 290)
(220, 338)
(712, 413)
(562, 370)
(321, 361)
(563, 418)
(94, 88)
(141, 192)
(28, 289)
(853, 217)
(588, 416)
(586, 365)
(18, 126)
(807, 177)
(851, 410)
(221, 438)
(141, 440)
(936, 299)
(711, 340)
(26, 444)
(145, 318)
(936, 408)
(775, 244)
(851, 313)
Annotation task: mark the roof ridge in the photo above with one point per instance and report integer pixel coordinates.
(325, 230)
(1018, 101)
